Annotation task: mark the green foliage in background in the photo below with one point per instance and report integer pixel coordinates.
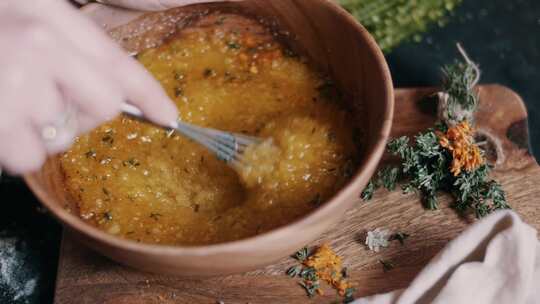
(393, 21)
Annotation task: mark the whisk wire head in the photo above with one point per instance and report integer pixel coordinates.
(227, 146)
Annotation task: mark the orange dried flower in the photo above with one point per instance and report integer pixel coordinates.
(328, 266)
(465, 153)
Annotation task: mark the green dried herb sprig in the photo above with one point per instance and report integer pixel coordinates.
(387, 265)
(400, 237)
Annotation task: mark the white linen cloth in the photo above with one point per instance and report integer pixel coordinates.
(496, 260)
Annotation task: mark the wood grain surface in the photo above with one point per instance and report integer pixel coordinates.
(87, 278)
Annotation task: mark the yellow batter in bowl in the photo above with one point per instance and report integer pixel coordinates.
(227, 72)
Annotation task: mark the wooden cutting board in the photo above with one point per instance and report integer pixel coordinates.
(84, 277)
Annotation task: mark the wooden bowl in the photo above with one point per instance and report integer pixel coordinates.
(333, 40)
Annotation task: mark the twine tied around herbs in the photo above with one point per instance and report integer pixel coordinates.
(458, 100)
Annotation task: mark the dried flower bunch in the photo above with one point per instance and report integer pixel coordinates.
(446, 158)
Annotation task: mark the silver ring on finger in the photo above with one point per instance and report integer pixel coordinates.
(54, 134)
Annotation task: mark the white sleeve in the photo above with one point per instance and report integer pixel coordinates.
(153, 5)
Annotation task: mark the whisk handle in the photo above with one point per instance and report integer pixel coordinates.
(136, 113)
(132, 111)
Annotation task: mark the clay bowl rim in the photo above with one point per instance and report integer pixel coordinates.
(370, 162)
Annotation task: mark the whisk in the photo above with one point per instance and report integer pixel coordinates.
(227, 146)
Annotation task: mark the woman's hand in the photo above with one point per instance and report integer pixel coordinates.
(152, 5)
(61, 75)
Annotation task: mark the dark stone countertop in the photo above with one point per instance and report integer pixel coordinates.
(501, 35)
